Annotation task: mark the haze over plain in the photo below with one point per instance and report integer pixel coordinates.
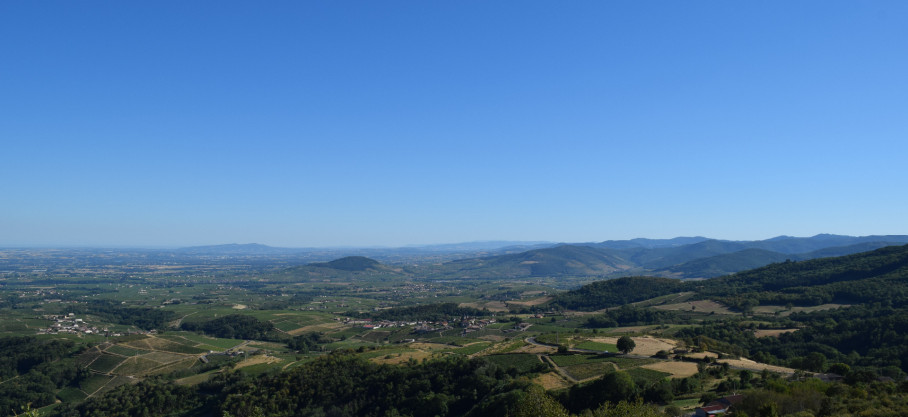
(372, 123)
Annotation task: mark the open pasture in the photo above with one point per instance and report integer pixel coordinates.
(784, 311)
(772, 332)
(675, 368)
(665, 299)
(551, 381)
(699, 306)
(602, 347)
(623, 362)
(576, 359)
(756, 366)
(645, 346)
(586, 371)
(648, 375)
(530, 302)
(403, 357)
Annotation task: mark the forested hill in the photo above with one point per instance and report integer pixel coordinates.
(876, 276)
(879, 276)
(350, 263)
(729, 263)
(616, 292)
(563, 260)
(684, 258)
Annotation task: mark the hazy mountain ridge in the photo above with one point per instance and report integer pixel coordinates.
(681, 257)
(865, 277)
(350, 263)
(702, 258)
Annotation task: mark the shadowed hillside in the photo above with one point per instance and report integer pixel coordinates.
(564, 260)
(350, 263)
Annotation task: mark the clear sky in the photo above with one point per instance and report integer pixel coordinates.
(323, 123)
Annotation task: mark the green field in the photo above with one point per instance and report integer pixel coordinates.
(588, 370)
(260, 368)
(687, 403)
(94, 383)
(105, 363)
(180, 348)
(626, 363)
(648, 375)
(603, 347)
(88, 357)
(577, 359)
(378, 353)
(68, 395)
(205, 342)
(15, 326)
(125, 350)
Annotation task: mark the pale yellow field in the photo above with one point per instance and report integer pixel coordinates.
(193, 380)
(646, 346)
(701, 355)
(490, 305)
(677, 369)
(783, 311)
(535, 349)
(551, 380)
(533, 302)
(756, 366)
(773, 333)
(429, 346)
(316, 328)
(702, 306)
(418, 355)
(255, 360)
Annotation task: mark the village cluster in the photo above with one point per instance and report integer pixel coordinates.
(468, 324)
(69, 323)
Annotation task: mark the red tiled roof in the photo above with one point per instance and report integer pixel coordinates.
(713, 408)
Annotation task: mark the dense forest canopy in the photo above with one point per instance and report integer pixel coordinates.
(617, 292)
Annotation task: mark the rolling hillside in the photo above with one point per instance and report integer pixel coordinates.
(564, 260)
(684, 258)
(350, 263)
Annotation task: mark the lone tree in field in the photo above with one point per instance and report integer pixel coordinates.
(626, 344)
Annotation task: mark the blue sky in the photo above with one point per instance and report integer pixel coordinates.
(389, 123)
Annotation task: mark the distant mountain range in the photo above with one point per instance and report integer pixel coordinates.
(407, 254)
(683, 257)
(680, 257)
(246, 249)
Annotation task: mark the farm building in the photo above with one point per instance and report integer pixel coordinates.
(718, 407)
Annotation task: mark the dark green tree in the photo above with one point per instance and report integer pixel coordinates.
(626, 344)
